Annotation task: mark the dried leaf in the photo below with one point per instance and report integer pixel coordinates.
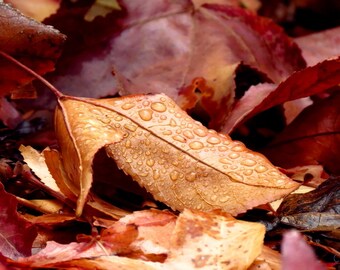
(307, 82)
(313, 138)
(178, 160)
(296, 254)
(155, 228)
(101, 8)
(311, 175)
(48, 165)
(316, 210)
(268, 260)
(35, 45)
(111, 262)
(36, 162)
(37, 9)
(16, 234)
(43, 206)
(198, 241)
(205, 241)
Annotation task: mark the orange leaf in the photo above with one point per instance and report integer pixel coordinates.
(178, 160)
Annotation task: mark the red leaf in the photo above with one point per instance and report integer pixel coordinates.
(307, 82)
(16, 234)
(161, 50)
(312, 138)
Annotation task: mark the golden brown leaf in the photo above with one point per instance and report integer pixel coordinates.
(212, 241)
(178, 160)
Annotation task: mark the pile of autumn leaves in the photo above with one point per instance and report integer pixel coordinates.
(135, 44)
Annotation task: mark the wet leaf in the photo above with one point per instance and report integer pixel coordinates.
(307, 82)
(178, 160)
(313, 138)
(16, 234)
(35, 45)
(316, 210)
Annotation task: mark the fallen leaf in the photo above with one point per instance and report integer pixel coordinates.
(198, 241)
(301, 190)
(320, 46)
(316, 210)
(245, 106)
(16, 234)
(311, 139)
(268, 260)
(36, 162)
(8, 114)
(161, 41)
(294, 107)
(101, 8)
(155, 228)
(178, 160)
(310, 175)
(111, 262)
(43, 206)
(55, 252)
(202, 72)
(205, 241)
(33, 44)
(296, 254)
(307, 82)
(83, 69)
(36, 9)
(47, 165)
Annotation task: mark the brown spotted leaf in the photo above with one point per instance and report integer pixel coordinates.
(206, 240)
(178, 160)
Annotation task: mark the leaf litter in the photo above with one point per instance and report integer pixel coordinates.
(131, 140)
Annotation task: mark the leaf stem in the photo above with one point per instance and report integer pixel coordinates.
(55, 91)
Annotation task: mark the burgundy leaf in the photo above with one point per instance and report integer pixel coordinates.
(16, 234)
(312, 138)
(158, 48)
(307, 82)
